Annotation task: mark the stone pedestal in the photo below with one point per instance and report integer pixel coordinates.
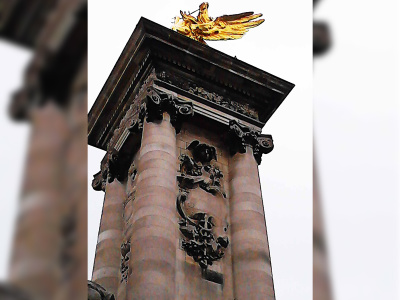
(181, 124)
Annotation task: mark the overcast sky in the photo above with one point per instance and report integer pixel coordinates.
(356, 133)
(14, 138)
(282, 45)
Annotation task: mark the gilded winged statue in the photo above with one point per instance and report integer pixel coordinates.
(226, 27)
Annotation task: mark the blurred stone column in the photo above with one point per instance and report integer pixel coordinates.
(36, 259)
(106, 269)
(250, 251)
(154, 222)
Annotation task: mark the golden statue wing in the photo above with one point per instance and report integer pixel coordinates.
(188, 18)
(231, 27)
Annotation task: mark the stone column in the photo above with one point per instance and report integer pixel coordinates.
(154, 238)
(250, 252)
(108, 250)
(35, 266)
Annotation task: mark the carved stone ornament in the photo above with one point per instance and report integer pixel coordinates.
(243, 109)
(131, 197)
(159, 102)
(191, 169)
(191, 87)
(125, 256)
(100, 178)
(97, 292)
(98, 182)
(198, 172)
(202, 152)
(132, 171)
(200, 242)
(113, 166)
(241, 136)
(189, 166)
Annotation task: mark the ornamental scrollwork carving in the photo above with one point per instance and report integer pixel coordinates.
(241, 136)
(200, 241)
(202, 152)
(125, 256)
(198, 171)
(98, 182)
(113, 166)
(192, 88)
(243, 109)
(264, 145)
(100, 178)
(159, 102)
(189, 166)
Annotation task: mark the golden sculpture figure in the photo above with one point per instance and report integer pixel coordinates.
(226, 27)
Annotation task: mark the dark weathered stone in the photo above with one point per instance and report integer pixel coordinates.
(158, 103)
(200, 242)
(125, 256)
(97, 292)
(202, 152)
(241, 136)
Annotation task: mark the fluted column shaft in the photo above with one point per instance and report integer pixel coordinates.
(154, 223)
(108, 250)
(250, 252)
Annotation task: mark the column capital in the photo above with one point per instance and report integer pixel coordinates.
(113, 166)
(158, 102)
(241, 136)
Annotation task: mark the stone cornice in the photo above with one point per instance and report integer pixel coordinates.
(152, 46)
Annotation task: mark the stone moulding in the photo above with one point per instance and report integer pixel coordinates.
(241, 136)
(249, 94)
(191, 87)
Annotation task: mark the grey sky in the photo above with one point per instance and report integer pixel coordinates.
(14, 137)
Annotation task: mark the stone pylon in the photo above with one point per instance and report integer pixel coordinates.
(183, 215)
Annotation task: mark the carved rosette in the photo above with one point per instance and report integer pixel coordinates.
(159, 102)
(241, 136)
